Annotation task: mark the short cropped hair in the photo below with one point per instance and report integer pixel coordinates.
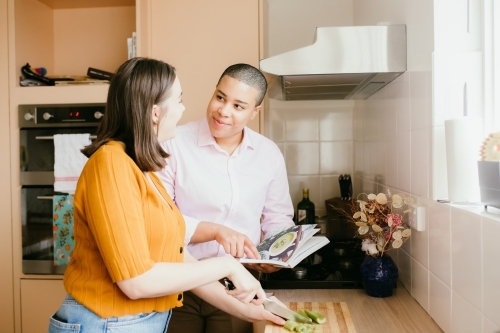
(250, 76)
(137, 86)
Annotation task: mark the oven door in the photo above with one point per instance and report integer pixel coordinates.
(37, 231)
(37, 153)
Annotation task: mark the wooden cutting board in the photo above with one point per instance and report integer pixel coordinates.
(338, 317)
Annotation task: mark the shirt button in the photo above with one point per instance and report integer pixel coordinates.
(179, 297)
(181, 249)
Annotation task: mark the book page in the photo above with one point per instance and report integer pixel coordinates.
(280, 247)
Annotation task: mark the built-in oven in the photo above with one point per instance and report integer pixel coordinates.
(38, 124)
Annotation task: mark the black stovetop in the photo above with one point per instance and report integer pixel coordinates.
(334, 266)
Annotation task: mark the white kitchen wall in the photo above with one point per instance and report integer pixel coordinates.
(451, 267)
(315, 136)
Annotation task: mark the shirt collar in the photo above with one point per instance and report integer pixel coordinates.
(205, 138)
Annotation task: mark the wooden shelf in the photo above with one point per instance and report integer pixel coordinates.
(66, 37)
(59, 94)
(66, 4)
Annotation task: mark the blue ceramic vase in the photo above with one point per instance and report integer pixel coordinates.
(379, 275)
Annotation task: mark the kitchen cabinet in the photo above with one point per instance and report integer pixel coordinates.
(40, 299)
(202, 38)
(6, 280)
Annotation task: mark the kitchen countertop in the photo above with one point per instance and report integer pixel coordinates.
(396, 314)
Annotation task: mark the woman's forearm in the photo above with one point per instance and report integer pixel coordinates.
(171, 278)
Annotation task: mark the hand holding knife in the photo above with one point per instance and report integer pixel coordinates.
(274, 307)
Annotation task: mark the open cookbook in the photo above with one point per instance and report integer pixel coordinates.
(289, 247)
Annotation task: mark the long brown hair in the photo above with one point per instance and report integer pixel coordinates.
(138, 85)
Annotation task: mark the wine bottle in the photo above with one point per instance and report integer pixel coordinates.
(305, 209)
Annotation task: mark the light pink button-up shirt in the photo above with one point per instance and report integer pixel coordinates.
(237, 191)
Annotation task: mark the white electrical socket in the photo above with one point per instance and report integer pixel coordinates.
(417, 218)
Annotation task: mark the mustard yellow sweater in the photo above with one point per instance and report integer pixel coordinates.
(121, 228)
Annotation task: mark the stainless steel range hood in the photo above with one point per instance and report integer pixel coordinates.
(342, 63)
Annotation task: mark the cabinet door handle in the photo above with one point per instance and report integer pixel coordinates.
(45, 197)
(41, 137)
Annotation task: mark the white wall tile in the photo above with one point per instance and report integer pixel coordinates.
(440, 303)
(329, 188)
(407, 245)
(404, 268)
(404, 161)
(491, 270)
(391, 163)
(276, 126)
(466, 235)
(302, 158)
(440, 241)
(297, 183)
(281, 146)
(398, 102)
(489, 326)
(439, 172)
(301, 125)
(359, 110)
(358, 156)
(336, 157)
(336, 125)
(420, 158)
(420, 99)
(374, 116)
(420, 284)
(420, 245)
(465, 318)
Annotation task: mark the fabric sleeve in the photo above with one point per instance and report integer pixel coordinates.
(167, 176)
(278, 208)
(113, 204)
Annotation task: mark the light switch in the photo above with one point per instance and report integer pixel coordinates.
(417, 218)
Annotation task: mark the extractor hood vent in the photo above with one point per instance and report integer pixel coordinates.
(342, 63)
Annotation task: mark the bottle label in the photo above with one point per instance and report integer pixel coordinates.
(301, 215)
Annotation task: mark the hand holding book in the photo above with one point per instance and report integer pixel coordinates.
(289, 247)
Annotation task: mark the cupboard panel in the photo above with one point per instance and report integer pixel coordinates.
(40, 299)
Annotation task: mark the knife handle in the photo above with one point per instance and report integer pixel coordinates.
(230, 286)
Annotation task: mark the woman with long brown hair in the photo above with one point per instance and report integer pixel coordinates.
(129, 266)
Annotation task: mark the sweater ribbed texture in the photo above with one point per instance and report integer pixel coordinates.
(121, 228)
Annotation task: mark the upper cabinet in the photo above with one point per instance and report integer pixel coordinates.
(201, 39)
(66, 38)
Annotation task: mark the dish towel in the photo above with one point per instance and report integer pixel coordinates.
(68, 160)
(64, 241)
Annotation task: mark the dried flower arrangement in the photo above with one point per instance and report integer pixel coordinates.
(380, 221)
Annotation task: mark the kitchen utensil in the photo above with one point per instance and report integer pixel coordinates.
(338, 317)
(299, 272)
(345, 184)
(275, 308)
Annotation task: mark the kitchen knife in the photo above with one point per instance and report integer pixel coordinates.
(276, 308)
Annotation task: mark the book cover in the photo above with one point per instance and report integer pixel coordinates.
(289, 247)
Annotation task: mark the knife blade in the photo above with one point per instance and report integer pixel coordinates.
(276, 308)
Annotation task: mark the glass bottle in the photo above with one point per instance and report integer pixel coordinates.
(305, 209)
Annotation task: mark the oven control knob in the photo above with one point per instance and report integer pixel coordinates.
(98, 115)
(28, 116)
(47, 116)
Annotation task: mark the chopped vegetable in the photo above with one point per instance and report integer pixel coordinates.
(301, 312)
(302, 318)
(316, 316)
(304, 328)
(290, 325)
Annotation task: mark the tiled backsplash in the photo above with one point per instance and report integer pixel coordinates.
(316, 139)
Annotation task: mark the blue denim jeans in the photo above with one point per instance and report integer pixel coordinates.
(73, 317)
